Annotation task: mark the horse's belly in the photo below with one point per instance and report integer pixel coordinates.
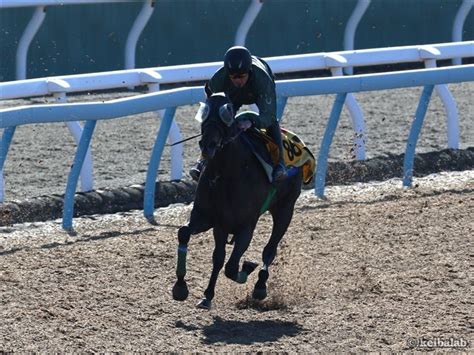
(237, 201)
(234, 217)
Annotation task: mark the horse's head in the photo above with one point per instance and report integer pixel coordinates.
(217, 124)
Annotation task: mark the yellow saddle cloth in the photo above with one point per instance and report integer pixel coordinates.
(297, 154)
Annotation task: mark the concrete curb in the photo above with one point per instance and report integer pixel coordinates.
(123, 199)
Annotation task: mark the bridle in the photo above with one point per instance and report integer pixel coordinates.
(224, 132)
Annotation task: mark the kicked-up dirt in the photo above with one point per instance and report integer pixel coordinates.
(373, 268)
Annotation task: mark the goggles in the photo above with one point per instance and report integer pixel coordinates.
(238, 76)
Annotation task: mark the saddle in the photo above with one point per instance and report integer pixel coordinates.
(296, 153)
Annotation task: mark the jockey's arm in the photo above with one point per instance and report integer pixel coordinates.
(266, 103)
(216, 83)
(208, 90)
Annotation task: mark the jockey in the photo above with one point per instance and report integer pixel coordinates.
(247, 79)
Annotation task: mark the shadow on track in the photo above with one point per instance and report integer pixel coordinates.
(82, 239)
(245, 333)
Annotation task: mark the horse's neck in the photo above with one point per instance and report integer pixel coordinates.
(232, 159)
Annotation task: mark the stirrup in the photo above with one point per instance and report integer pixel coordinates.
(195, 171)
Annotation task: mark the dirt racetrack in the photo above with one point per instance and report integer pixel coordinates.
(374, 267)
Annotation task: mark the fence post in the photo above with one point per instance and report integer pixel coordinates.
(7, 137)
(321, 166)
(335, 63)
(414, 134)
(25, 41)
(58, 88)
(154, 165)
(174, 136)
(247, 21)
(68, 209)
(351, 27)
(429, 54)
(135, 31)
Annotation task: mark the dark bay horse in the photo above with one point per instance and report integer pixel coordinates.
(233, 191)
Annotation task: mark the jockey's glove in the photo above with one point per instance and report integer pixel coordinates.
(244, 124)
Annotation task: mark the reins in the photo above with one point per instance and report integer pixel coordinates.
(232, 138)
(184, 140)
(229, 139)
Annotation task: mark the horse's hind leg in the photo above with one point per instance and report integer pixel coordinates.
(218, 257)
(242, 241)
(197, 224)
(281, 220)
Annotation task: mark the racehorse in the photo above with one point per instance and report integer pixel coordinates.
(232, 193)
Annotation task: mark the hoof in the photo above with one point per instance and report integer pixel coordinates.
(259, 293)
(180, 291)
(204, 304)
(248, 267)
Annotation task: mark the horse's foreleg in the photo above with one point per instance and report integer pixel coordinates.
(180, 288)
(281, 220)
(242, 242)
(218, 258)
(197, 225)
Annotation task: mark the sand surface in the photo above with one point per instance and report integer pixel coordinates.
(373, 268)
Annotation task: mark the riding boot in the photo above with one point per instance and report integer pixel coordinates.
(279, 171)
(196, 170)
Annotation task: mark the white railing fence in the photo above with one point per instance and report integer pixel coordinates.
(332, 62)
(152, 78)
(170, 99)
(351, 27)
(136, 30)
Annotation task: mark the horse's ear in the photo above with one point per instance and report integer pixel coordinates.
(226, 113)
(202, 113)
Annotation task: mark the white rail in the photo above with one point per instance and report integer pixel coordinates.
(351, 27)
(249, 17)
(183, 96)
(135, 32)
(25, 41)
(28, 35)
(203, 71)
(351, 102)
(127, 106)
(153, 77)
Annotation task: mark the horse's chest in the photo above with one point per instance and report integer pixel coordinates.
(235, 204)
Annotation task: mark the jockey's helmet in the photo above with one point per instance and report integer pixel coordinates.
(237, 60)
